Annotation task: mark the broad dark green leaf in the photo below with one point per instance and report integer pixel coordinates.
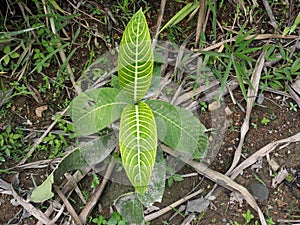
(131, 209)
(91, 111)
(177, 127)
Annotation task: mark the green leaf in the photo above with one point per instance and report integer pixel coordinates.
(40, 64)
(186, 10)
(14, 55)
(135, 61)
(177, 127)
(131, 208)
(88, 154)
(156, 187)
(6, 60)
(138, 143)
(7, 49)
(239, 75)
(93, 110)
(177, 177)
(56, 6)
(296, 23)
(43, 192)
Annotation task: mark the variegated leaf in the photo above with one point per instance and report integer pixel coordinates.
(138, 143)
(135, 60)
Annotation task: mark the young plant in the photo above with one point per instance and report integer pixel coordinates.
(265, 121)
(248, 216)
(142, 123)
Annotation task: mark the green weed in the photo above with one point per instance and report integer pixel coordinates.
(12, 145)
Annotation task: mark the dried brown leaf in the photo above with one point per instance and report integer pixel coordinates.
(39, 110)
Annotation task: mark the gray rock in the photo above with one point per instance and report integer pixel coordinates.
(259, 191)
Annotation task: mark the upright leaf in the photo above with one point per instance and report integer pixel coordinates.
(138, 142)
(135, 61)
(177, 127)
(94, 110)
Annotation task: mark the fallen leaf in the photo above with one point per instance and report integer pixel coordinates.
(214, 106)
(274, 165)
(39, 110)
(258, 164)
(197, 205)
(236, 196)
(283, 173)
(281, 203)
(228, 111)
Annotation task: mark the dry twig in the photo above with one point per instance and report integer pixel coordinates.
(97, 193)
(170, 207)
(68, 206)
(220, 179)
(270, 14)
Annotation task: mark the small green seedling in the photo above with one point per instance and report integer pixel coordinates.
(293, 107)
(265, 121)
(9, 55)
(270, 221)
(100, 220)
(248, 216)
(254, 125)
(175, 177)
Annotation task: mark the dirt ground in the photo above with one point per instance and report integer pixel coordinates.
(281, 203)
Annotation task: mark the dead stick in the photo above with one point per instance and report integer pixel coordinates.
(270, 14)
(69, 186)
(159, 21)
(97, 193)
(200, 21)
(64, 58)
(256, 37)
(262, 152)
(220, 179)
(68, 206)
(170, 207)
(30, 208)
(252, 93)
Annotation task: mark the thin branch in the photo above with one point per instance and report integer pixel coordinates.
(68, 206)
(270, 14)
(220, 179)
(200, 21)
(97, 193)
(159, 21)
(170, 207)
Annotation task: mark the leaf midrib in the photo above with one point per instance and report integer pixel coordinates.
(136, 64)
(138, 139)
